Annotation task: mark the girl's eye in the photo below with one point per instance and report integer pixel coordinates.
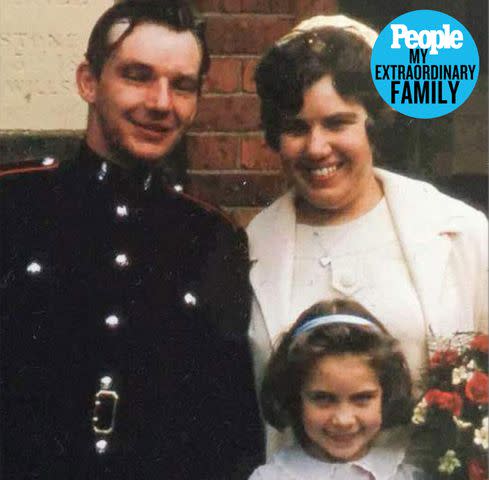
(320, 398)
(364, 398)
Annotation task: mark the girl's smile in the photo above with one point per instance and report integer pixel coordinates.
(341, 407)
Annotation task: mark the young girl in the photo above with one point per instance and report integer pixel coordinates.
(338, 378)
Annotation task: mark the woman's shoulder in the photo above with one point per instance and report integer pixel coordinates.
(274, 225)
(283, 205)
(401, 188)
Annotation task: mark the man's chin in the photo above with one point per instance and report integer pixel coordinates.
(154, 152)
(147, 154)
(150, 159)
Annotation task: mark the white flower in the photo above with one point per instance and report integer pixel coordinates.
(461, 425)
(449, 462)
(481, 435)
(419, 413)
(459, 375)
(472, 365)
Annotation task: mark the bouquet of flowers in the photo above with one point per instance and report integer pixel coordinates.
(454, 409)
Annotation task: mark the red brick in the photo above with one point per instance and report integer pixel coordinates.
(207, 5)
(255, 6)
(249, 66)
(245, 34)
(308, 8)
(257, 155)
(233, 189)
(223, 6)
(212, 152)
(228, 113)
(282, 6)
(224, 76)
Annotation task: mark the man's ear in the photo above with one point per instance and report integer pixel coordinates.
(87, 82)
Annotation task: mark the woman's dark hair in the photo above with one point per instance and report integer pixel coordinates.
(297, 354)
(290, 67)
(178, 15)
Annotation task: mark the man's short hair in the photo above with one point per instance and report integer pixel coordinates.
(177, 15)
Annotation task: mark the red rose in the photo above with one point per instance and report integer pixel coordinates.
(444, 358)
(450, 401)
(476, 388)
(480, 343)
(477, 470)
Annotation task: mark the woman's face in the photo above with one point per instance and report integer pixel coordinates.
(327, 155)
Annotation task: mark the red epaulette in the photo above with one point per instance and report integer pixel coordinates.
(208, 207)
(26, 166)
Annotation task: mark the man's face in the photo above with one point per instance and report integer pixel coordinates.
(146, 96)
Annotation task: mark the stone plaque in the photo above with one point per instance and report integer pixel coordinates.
(41, 44)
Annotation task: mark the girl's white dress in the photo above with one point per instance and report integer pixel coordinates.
(293, 463)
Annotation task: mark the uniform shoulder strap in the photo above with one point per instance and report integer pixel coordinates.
(27, 166)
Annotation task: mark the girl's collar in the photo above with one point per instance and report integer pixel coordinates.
(387, 453)
(382, 460)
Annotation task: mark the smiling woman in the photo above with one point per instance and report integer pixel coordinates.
(414, 257)
(327, 155)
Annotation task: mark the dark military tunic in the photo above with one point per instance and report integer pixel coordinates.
(124, 310)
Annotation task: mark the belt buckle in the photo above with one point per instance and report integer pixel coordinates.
(104, 413)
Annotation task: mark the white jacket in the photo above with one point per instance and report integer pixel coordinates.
(444, 242)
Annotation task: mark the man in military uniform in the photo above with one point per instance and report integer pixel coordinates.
(124, 302)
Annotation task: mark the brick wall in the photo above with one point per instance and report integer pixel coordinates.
(229, 163)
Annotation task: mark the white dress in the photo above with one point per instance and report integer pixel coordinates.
(293, 463)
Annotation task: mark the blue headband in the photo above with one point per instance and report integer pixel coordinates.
(337, 318)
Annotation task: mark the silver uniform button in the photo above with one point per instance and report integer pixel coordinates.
(112, 321)
(325, 261)
(190, 299)
(122, 210)
(147, 182)
(48, 161)
(106, 382)
(122, 260)
(34, 268)
(101, 445)
(102, 173)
